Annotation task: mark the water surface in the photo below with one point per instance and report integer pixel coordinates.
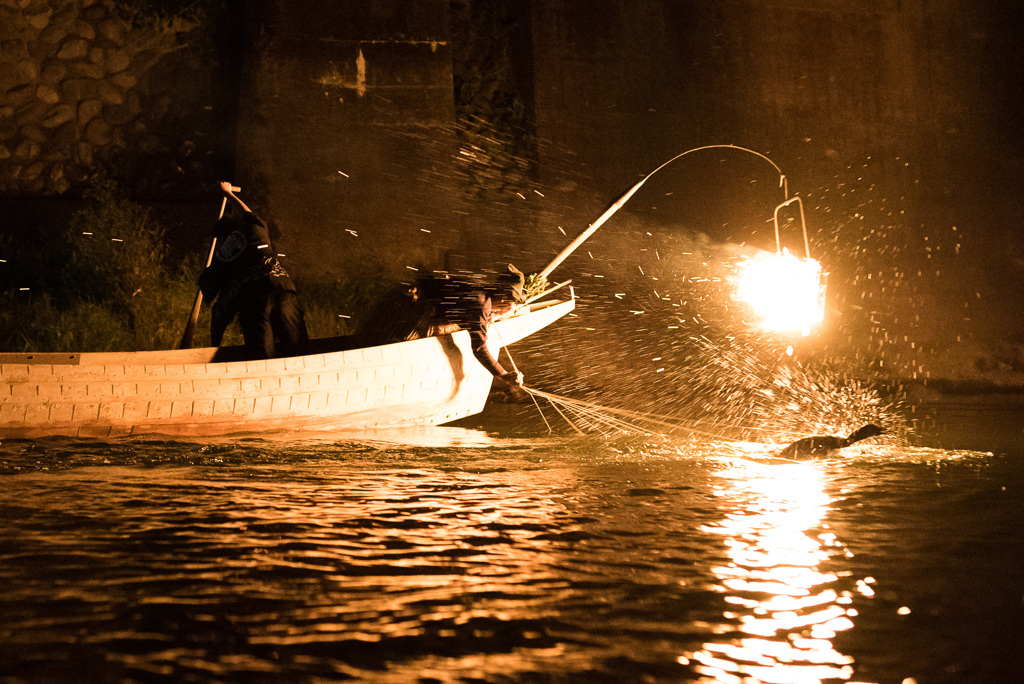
(457, 555)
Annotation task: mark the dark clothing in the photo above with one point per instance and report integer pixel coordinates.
(435, 306)
(466, 305)
(246, 279)
(275, 314)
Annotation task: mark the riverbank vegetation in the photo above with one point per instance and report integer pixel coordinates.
(106, 281)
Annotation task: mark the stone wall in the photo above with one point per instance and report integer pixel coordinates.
(81, 88)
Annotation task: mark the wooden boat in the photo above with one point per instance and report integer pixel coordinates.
(205, 393)
(201, 392)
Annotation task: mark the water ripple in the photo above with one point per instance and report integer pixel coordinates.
(255, 561)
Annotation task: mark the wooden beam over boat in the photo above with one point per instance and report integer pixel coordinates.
(201, 392)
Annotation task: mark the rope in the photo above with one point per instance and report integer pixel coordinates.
(516, 369)
(559, 411)
(604, 419)
(598, 417)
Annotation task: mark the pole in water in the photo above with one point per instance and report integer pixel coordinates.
(190, 325)
(516, 369)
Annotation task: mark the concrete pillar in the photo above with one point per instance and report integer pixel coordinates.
(345, 124)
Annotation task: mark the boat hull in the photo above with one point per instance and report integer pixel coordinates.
(429, 381)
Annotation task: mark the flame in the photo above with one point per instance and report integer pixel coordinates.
(785, 292)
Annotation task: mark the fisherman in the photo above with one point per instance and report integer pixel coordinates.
(246, 279)
(440, 305)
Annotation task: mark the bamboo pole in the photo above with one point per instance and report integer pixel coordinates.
(574, 245)
(193, 317)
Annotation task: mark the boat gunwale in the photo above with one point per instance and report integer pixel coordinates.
(417, 382)
(206, 356)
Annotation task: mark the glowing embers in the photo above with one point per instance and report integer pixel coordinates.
(785, 292)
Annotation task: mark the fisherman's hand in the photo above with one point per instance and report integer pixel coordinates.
(509, 387)
(514, 379)
(225, 187)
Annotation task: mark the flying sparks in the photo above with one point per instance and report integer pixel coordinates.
(785, 292)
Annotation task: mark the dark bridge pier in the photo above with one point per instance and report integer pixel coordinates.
(345, 128)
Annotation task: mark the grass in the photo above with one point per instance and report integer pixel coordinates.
(107, 283)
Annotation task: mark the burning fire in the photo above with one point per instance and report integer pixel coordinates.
(785, 292)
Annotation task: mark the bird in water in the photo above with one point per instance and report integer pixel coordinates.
(811, 447)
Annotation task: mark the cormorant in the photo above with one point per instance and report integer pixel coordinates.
(810, 447)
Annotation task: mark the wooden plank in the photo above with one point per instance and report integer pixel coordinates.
(27, 391)
(242, 407)
(159, 409)
(99, 389)
(84, 412)
(182, 409)
(60, 412)
(203, 407)
(207, 388)
(11, 412)
(116, 371)
(11, 372)
(40, 372)
(111, 412)
(124, 390)
(223, 407)
(135, 411)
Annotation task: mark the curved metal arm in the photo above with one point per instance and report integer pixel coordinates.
(564, 254)
(803, 226)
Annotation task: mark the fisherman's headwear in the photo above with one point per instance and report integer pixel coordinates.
(514, 280)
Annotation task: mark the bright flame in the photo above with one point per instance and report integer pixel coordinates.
(786, 292)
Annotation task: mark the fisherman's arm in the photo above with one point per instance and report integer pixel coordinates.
(226, 188)
(209, 284)
(478, 344)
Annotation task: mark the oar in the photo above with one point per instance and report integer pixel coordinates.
(190, 326)
(622, 200)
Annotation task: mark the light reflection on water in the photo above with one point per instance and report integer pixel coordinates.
(786, 604)
(485, 558)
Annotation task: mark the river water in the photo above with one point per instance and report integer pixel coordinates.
(462, 555)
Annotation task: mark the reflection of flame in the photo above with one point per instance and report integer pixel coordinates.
(783, 290)
(787, 610)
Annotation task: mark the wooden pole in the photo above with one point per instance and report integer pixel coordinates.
(622, 200)
(564, 254)
(190, 325)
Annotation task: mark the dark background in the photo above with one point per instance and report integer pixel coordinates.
(384, 137)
